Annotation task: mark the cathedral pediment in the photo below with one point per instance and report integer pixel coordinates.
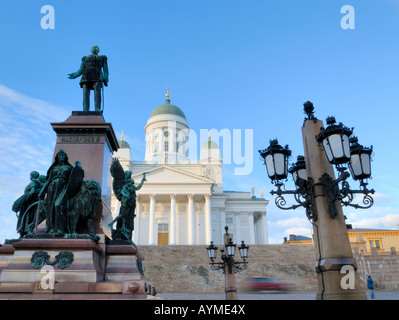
(167, 175)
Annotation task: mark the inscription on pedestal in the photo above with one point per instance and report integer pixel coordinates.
(80, 139)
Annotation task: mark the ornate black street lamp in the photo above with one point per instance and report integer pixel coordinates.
(317, 190)
(228, 259)
(341, 150)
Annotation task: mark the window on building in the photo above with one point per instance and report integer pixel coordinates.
(166, 146)
(177, 144)
(155, 144)
(163, 227)
(375, 244)
(229, 220)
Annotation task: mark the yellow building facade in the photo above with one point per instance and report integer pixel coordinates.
(293, 238)
(367, 239)
(363, 239)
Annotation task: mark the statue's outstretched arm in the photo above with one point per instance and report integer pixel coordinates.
(141, 183)
(79, 72)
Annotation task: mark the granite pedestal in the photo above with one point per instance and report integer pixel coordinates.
(75, 266)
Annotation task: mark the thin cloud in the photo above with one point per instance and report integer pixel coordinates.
(37, 111)
(26, 144)
(386, 222)
(289, 223)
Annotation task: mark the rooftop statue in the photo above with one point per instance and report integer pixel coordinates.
(94, 72)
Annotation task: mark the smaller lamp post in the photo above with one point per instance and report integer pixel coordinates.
(228, 263)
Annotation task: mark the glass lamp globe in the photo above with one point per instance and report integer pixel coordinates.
(276, 160)
(360, 162)
(335, 141)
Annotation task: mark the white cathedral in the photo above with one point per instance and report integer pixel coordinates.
(183, 201)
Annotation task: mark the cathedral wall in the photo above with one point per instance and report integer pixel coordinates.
(383, 268)
(186, 268)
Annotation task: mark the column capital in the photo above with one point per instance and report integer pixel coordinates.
(172, 195)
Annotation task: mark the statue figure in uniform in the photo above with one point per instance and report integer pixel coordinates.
(94, 72)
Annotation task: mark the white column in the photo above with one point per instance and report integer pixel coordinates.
(257, 231)
(208, 230)
(238, 238)
(251, 228)
(151, 232)
(190, 213)
(222, 224)
(264, 227)
(137, 222)
(172, 227)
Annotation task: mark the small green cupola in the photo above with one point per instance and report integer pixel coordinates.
(168, 108)
(123, 144)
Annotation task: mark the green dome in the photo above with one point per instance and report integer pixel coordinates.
(210, 145)
(168, 108)
(123, 144)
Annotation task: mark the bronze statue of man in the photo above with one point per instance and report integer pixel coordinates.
(94, 72)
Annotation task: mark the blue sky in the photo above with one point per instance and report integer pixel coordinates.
(228, 64)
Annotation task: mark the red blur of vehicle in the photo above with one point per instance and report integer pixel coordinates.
(266, 284)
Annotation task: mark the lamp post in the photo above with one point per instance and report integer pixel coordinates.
(323, 196)
(228, 265)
